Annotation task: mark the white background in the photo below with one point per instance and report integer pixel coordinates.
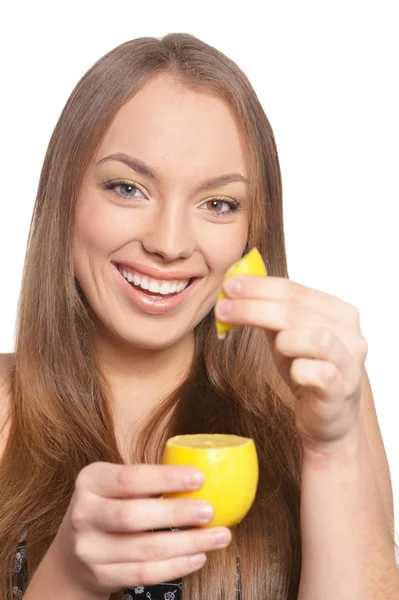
(326, 75)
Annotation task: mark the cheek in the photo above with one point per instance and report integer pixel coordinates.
(99, 231)
(225, 248)
(99, 227)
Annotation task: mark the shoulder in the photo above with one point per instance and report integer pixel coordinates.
(5, 361)
(5, 364)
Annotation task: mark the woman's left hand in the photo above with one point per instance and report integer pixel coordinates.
(317, 346)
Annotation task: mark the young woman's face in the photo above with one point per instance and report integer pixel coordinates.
(148, 207)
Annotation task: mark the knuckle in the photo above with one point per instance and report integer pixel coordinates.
(128, 479)
(81, 509)
(82, 550)
(280, 341)
(102, 576)
(201, 541)
(327, 372)
(141, 573)
(78, 519)
(152, 549)
(324, 338)
(179, 511)
(82, 479)
(124, 515)
(87, 474)
(363, 347)
(171, 474)
(288, 315)
(190, 511)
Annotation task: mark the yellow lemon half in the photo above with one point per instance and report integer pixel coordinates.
(250, 264)
(230, 466)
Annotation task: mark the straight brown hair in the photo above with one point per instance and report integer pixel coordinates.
(60, 416)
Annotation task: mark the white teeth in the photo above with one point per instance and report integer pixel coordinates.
(127, 275)
(153, 285)
(165, 288)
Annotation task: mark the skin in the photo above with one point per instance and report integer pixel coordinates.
(320, 351)
(186, 137)
(318, 348)
(317, 345)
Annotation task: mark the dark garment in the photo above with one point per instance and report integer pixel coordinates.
(162, 591)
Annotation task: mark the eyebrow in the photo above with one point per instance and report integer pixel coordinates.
(140, 167)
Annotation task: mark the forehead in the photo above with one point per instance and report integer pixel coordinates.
(178, 131)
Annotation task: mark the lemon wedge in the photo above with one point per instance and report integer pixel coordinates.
(250, 264)
(230, 466)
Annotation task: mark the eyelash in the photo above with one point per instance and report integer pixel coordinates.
(233, 205)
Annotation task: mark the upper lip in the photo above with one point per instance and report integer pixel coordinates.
(158, 273)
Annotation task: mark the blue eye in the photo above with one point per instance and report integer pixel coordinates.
(217, 206)
(112, 185)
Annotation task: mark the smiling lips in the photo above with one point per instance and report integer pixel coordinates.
(151, 290)
(160, 287)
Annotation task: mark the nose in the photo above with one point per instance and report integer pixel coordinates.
(169, 233)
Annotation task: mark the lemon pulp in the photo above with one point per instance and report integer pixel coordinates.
(250, 264)
(230, 466)
(207, 440)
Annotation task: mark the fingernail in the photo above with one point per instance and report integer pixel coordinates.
(221, 538)
(198, 559)
(204, 512)
(195, 479)
(233, 286)
(224, 307)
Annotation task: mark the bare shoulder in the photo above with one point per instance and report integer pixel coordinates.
(5, 364)
(5, 361)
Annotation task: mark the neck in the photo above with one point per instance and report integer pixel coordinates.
(139, 379)
(141, 368)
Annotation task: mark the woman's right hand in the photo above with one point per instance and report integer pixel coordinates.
(105, 539)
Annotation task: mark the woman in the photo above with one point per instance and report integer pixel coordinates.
(161, 172)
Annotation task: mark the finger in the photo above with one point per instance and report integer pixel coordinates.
(280, 289)
(122, 575)
(319, 343)
(117, 516)
(154, 546)
(137, 481)
(320, 375)
(269, 315)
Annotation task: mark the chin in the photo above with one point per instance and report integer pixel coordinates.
(155, 337)
(152, 343)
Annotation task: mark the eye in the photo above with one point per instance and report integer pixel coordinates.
(129, 187)
(221, 205)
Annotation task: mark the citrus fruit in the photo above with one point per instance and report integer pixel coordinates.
(230, 466)
(250, 264)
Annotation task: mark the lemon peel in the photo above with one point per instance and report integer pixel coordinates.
(230, 466)
(250, 264)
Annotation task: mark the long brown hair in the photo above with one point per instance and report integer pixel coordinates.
(60, 416)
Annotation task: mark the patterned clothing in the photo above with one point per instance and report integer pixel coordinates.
(162, 591)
